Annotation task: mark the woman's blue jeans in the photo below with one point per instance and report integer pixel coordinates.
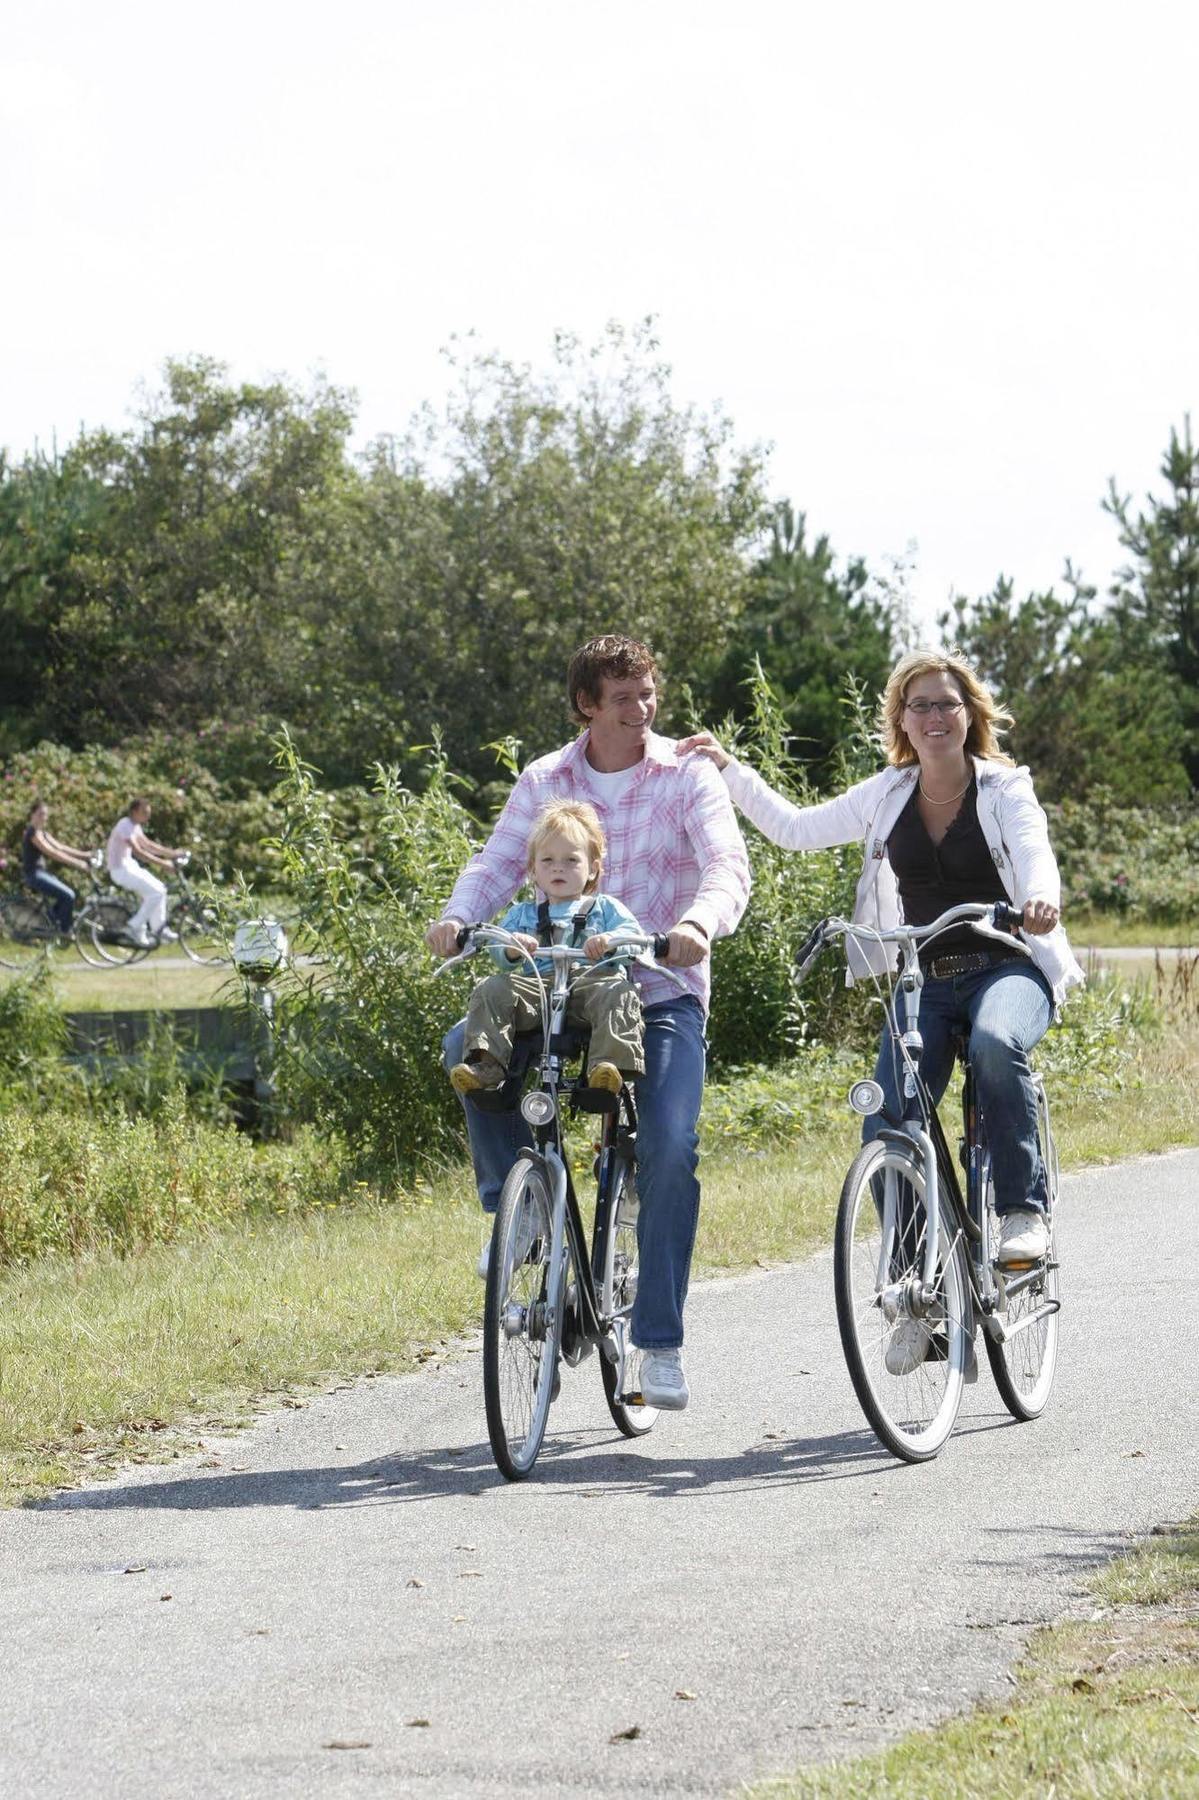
(61, 897)
(668, 1100)
(1006, 1010)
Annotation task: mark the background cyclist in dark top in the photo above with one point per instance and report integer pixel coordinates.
(36, 845)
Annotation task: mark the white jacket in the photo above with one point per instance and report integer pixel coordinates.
(1011, 819)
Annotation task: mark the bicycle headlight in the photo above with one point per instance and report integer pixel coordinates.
(538, 1107)
(866, 1097)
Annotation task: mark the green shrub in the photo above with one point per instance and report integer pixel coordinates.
(1138, 862)
(360, 1035)
(76, 1181)
(212, 792)
(757, 1015)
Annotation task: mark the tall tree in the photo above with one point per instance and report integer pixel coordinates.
(1155, 598)
(808, 627)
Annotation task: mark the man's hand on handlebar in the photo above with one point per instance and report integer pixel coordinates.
(688, 946)
(1040, 917)
(442, 937)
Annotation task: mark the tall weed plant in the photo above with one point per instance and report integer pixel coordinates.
(359, 1034)
(757, 1014)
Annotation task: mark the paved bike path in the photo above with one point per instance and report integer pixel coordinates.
(754, 1585)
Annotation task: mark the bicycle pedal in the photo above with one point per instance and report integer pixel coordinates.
(633, 1398)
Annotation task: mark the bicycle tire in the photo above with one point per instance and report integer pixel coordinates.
(26, 934)
(199, 936)
(1024, 1366)
(911, 1409)
(107, 921)
(621, 1263)
(522, 1320)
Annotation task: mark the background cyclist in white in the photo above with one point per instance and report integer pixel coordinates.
(127, 841)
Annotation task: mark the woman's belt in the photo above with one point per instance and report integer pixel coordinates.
(970, 962)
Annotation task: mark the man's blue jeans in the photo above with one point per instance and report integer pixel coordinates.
(668, 1100)
(1006, 1010)
(60, 896)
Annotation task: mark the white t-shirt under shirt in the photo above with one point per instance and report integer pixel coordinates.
(120, 845)
(610, 786)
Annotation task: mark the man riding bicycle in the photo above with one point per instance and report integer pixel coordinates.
(677, 860)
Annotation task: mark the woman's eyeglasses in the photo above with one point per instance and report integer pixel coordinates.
(946, 708)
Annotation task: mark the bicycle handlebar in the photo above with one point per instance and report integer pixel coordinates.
(624, 945)
(994, 918)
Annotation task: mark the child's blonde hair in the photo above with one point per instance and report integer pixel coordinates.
(575, 820)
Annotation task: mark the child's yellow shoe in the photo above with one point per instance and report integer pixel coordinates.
(481, 1072)
(606, 1076)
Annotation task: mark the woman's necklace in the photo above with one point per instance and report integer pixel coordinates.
(948, 802)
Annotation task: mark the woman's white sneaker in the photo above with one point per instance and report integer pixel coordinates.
(1023, 1237)
(663, 1383)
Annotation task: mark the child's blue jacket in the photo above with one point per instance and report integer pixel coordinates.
(605, 915)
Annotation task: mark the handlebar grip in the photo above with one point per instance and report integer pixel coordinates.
(661, 945)
(463, 934)
(1007, 917)
(807, 953)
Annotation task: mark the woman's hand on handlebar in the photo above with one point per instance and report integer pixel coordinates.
(703, 743)
(1040, 917)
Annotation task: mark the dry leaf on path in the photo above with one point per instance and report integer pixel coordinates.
(625, 1737)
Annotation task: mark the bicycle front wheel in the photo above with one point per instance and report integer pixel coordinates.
(622, 1379)
(522, 1320)
(1025, 1362)
(201, 935)
(906, 1349)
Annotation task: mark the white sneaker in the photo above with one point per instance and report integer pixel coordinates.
(167, 936)
(907, 1346)
(1023, 1236)
(140, 939)
(484, 1262)
(663, 1383)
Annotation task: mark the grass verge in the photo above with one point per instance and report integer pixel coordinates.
(159, 984)
(1115, 932)
(1102, 1708)
(104, 1358)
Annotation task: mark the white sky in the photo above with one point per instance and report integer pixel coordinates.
(944, 257)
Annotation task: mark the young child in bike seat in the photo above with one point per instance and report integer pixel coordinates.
(565, 857)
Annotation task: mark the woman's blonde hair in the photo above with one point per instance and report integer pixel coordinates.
(575, 820)
(986, 717)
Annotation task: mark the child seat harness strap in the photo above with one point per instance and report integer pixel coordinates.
(546, 927)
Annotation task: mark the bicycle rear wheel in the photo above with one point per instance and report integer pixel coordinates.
(622, 1379)
(26, 933)
(522, 1320)
(1024, 1364)
(906, 1352)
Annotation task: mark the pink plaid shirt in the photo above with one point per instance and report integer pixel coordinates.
(674, 849)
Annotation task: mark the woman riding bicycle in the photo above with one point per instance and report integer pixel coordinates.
(950, 820)
(36, 845)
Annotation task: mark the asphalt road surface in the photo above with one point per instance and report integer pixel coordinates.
(348, 1600)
